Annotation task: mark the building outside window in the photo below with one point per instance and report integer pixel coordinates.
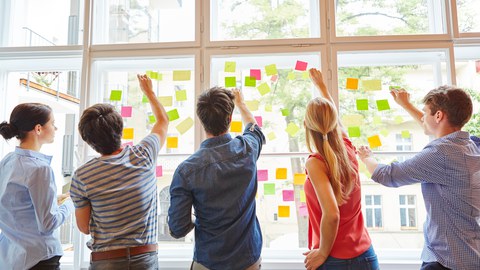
(373, 210)
(408, 211)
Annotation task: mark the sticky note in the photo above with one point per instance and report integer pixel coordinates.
(127, 134)
(354, 132)
(268, 108)
(398, 119)
(377, 120)
(262, 175)
(166, 101)
(172, 142)
(173, 115)
(283, 211)
(269, 189)
(230, 66)
(263, 89)
(144, 99)
(185, 125)
(259, 120)
(392, 87)
(300, 65)
(281, 173)
(299, 178)
(371, 85)
(230, 82)
(352, 120)
(303, 210)
(116, 95)
(271, 136)
(236, 126)
(155, 76)
(291, 76)
(274, 78)
(151, 119)
(292, 129)
(271, 70)
(405, 134)
(158, 171)
(305, 75)
(285, 112)
(384, 132)
(374, 141)
(352, 84)
(252, 105)
(250, 81)
(303, 197)
(288, 195)
(382, 105)
(126, 111)
(362, 104)
(181, 75)
(256, 73)
(148, 73)
(181, 95)
(127, 143)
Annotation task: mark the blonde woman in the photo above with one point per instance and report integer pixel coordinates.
(337, 238)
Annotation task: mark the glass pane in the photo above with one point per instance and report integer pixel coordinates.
(29, 24)
(384, 17)
(274, 91)
(377, 200)
(264, 19)
(412, 218)
(129, 21)
(411, 199)
(402, 199)
(368, 199)
(369, 212)
(468, 12)
(403, 217)
(378, 217)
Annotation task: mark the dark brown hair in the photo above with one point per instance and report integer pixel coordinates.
(24, 118)
(215, 108)
(101, 126)
(453, 101)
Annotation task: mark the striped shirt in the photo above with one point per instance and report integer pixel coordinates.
(448, 169)
(122, 192)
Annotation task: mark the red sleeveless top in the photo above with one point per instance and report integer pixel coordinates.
(352, 236)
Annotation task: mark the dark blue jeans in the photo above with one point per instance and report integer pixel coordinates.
(50, 264)
(145, 261)
(433, 266)
(366, 261)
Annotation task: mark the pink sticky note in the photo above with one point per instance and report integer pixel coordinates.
(126, 111)
(127, 143)
(159, 171)
(262, 175)
(302, 66)
(259, 121)
(288, 195)
(302, 210)
(257, 73)
(274, 78)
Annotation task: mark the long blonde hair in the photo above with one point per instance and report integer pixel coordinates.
(323, 136)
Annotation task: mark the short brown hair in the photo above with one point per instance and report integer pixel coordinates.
(215, 108)
(451, 100)
(101, 126)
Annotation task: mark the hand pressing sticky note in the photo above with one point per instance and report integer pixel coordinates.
(126, 111)
(382, 105)
(262, 175)
(172, 142)
(259, 120)
(362, 104)
(374, 141)
(236, 126)
(256, 73)
(116, 95)
(127, 134)
(301, 66)
(263, 89)
(181, 95)
(271, 70)
(166, 101)
(352, 84)
(181, 75)
(292, 129)
(185, 125)
(354, 132)
(230, 82)
(371, 85)
(283, 211)
(158, 171)
(252, 105)
(173, 115)
(269, 189)
(299, 178)
(288, 195)
(155, 76)
(281, 173)
(230, 66)
(250, 81)
(405, 134)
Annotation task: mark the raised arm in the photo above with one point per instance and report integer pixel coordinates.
(402, 98)
(160, 127)
(247, 116)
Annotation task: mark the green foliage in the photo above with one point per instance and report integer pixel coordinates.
(473, 126)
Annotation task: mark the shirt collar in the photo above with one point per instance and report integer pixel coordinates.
(33, 154)
(217, 140)
(457, 135)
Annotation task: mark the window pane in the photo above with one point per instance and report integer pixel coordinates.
(403, 217)
(378, 217)
(264, 19)
(368, 200)
(402, 199)
(468, 12)
(384, 17)
(412, 217)
(411, 199)
(29, 24)
(377, 200)
(369, 217)
(125, 21)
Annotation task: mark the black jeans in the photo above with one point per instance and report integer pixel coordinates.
(50, 264)
(433, 266)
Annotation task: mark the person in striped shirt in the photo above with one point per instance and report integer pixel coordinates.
(115, 195)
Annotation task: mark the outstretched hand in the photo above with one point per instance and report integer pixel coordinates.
(238, 97)
(145, 83)
(316, 77)
(364, 152)
(400, 96)
(62, 198)
(313, 259)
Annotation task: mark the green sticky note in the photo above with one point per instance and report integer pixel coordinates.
(305, 75)
(354, 132)
(116, 95)
(181, 75)
(230, 66)
(398, 119)
(250, 81)
(291, 76)
(362, 104)
(405, 134)
(263, 89)
(154, 75)
(371, 85)
(166, 101)
(384, 132)
(377, 120)
(149, 73)
(392, 87)
(185, 125)
(271, 70)
(252, 105)
(285, 112)
(173, 115)
(181, 95)
(230, 82)
(292, 129)
(144, 99)
(268, 108)
(151, 119)
(382, 105)
(269, 189)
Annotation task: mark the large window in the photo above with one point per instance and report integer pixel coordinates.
(408, 211)
(373, 210)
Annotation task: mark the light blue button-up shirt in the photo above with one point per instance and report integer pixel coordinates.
(28, 210)
(448, 169)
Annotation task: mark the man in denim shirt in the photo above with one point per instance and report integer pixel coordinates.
(220, 181)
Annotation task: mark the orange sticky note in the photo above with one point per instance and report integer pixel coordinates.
(127, 134)
(374, 141)
(281, 173)
(236, 126)
(352, 84)
(283, 211)
(172, 142)
(299, 178)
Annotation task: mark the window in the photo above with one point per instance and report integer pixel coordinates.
(468, 12)
(408, 211)
(373, 210)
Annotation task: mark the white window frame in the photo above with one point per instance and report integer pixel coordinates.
(407, 208)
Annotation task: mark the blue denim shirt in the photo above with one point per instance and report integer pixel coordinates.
(220, 181)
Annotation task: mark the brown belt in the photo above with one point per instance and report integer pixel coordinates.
(122, 253)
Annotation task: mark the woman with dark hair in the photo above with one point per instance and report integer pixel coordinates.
(30, 209)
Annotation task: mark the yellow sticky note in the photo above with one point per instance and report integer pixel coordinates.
(281, 173)
(252, 105)
(172, 142)
(268, 108)
(236, 126)
(299, 178)
(384, 132)
(185, 125)
(283, 211)
(271, 136)
(292, 129)
(166, 101)
(127, 134)
(181, 75)
(230, 66)
(271, 70)
(352, 84)
(352, 120)
(405, 134)
(291, 76)
(181, 95)
(371, 85)
(303, 197)
(398, 119)
(374, 141)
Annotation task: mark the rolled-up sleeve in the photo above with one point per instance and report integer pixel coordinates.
(180, 210)
(253, 133)
(78, 193)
